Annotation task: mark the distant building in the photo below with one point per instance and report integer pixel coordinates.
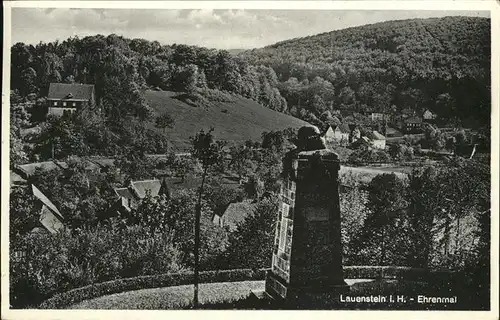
(413, 125)
(392, 133)
(130, 196)
(429, 115)
(377, 116)
(338, 134)
(50, 218)
(67, 98)
(234, 214)
(377, 140)
(407, 113)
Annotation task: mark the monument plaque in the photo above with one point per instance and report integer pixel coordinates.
(307, 255)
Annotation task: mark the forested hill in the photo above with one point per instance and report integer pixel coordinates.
(439, 63)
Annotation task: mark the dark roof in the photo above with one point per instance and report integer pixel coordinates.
(27, 170)
(237, 212)
(407, 111)
(104, 162)
(74, 91)
(124, 193)
(142, 187)
(344, 128)
(413, 120)
(374, 135)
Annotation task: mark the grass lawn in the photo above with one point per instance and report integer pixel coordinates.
(172, 297)
(180, 297)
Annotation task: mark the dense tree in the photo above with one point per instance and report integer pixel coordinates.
(251, 244)
(382, 234)
(164, 121)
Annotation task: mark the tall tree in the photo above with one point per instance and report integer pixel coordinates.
(208, 152)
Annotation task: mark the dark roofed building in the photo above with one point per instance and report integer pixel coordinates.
(66, 97)
(27, 170)
(130, 196)
(339, 134)
(235, 214)
(413, 125)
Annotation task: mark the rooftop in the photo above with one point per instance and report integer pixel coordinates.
(72, 91)
(237, 212)
(43, 198)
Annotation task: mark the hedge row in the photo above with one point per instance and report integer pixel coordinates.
(68, 298)
(62, 300)
(392, 272)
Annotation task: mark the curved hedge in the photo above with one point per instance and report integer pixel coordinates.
(70, 297)
(62, 300)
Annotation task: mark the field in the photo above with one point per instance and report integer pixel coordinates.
(239, 120)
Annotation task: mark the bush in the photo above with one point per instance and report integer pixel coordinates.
(65, 299)
(60, 262)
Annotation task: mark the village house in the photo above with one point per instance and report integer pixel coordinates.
(130, 196)
(429, 115)
(407, 113)
(377, 140)
(234, 214)
(50, 218)
(378, 116)
(338, 134)
(413, 125)
(392, 133)
(68, 98)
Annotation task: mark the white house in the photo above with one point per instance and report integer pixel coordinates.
(428, 115)
(378, 140)
(69, 97)
(338, 134)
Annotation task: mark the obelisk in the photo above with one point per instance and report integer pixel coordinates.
(307, 254)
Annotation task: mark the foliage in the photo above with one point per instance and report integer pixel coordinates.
(56, 263)
(164, 121)
(206, 149)
(254, 237)
(82, 196)
(23, 215)
(381, 240)
(408, 64)
(353, 200)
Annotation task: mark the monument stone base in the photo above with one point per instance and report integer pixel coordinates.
(325, 296)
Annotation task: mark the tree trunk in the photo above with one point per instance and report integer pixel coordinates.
(197, 241)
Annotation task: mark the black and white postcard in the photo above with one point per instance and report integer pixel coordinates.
(333, 156)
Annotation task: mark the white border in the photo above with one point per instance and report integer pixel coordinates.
(488, 5)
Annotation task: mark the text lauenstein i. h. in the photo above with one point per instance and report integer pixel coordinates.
(396, 298)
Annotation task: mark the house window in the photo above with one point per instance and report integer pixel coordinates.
(64, 104)
(55, 103)
(74, 104)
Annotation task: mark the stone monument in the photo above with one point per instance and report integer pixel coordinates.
(307, 254)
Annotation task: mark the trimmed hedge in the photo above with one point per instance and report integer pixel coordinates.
(68, 298)
(62, 300)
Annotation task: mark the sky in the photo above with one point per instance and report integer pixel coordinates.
(221, 29)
